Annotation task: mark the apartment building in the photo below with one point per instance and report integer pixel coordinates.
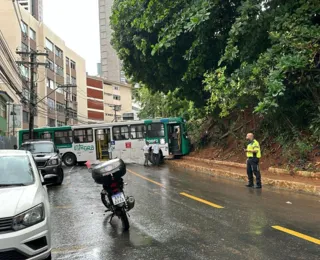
(55, 102)
(111, 66)
(107, 99)
(34, 7)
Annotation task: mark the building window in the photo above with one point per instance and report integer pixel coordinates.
(25, 93)
(3, 108)
(73, 65)
(50, 65)
(59, 52)
(73, 81)
(49, 45)
(24, 47)
(67, 62)
(58, 70)
(137, 131)
(61, 107)
(60, 123)
(120, 133)
(25, 117)
(59, 89)
(68, 79)
(50, 83)
(52, 122)
(24, 71)
(62, 137)
(74, 98)
(123, 77)
(51, 105)
(116, 88)
(155, 130)
(24, 27)
(116, 97)
(83, 136)
(32, 34)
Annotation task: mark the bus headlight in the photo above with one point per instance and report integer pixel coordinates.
(162, 141)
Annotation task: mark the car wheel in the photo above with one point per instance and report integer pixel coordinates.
(60, 177)
(69, 159)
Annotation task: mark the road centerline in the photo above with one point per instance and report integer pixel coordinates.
(297, 234)
(145, 178)
(201, 200)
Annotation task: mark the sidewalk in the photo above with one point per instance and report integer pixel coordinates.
(237, 171)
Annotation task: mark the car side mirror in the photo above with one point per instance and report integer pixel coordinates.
(49, 179)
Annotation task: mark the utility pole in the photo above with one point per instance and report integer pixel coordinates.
(31, 104)
(115, 109)
(13, 114)
(67, 115)
(33, 64)
(67, 109)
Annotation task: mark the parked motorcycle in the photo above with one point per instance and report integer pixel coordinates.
(109, 174)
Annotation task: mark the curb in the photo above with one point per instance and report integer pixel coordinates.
(315, 175)
(281, 184)
(225, 163)
(306, 174)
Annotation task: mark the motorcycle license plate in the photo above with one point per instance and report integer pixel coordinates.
(118, 198)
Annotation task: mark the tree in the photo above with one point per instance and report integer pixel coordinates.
(163, 105)
(171, 44)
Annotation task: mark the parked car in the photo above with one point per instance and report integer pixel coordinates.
(25, 231)
(47, 157)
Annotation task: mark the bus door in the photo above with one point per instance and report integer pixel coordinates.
(137, 139)
(121, 145)
(174, 133)
(103, 143)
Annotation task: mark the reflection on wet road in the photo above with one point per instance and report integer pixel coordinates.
(182, 215)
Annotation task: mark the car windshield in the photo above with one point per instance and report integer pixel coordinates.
(39, 147)
(15, 171)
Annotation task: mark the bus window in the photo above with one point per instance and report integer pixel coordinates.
(63, 137)
(137, 131)
(25, 137)
(45, 136)
(120, 133)
(155, 130)
(83, 136)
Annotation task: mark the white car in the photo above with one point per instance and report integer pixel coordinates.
(24, 208)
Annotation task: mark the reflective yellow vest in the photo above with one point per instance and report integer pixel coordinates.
(254, 145)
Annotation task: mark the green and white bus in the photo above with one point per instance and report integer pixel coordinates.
(91, 142)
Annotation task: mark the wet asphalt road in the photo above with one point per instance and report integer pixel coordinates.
(168, 225)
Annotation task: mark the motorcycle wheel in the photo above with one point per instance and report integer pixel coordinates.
(124, 219)
(104, 201)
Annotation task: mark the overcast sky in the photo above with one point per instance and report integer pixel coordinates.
(77, 23)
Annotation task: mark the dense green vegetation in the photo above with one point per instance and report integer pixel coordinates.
(211, 58)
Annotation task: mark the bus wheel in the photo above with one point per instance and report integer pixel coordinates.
(69, 159)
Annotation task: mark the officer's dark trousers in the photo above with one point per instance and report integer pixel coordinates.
(253, 168)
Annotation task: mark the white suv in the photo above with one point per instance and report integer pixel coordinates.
(24, 212)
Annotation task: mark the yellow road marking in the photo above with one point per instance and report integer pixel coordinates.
(63, 207)
(297, 234)
(145, 178)
(68, 249)
(201, 200)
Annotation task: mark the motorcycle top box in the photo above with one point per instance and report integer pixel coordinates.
(103, 173)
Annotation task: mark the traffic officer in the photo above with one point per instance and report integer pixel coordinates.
(253, 153)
